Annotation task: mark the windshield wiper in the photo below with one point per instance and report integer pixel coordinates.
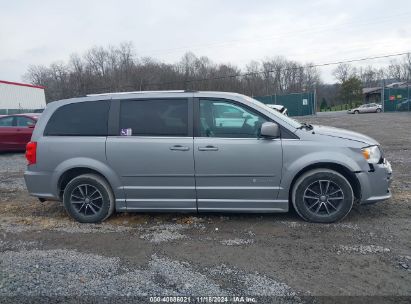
(306, 126)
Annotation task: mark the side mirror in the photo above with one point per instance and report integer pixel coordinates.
(31, 126)
(270, 130)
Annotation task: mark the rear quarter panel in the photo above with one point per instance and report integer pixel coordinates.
(57, 154)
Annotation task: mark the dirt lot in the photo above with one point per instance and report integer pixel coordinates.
(44, 253)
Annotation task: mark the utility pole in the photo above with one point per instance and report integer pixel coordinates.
(382, 95)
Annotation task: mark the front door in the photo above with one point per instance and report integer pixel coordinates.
(153, 154)
(236, 170)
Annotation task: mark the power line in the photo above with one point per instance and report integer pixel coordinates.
(288, 34)
(271, 71)
(148, 85)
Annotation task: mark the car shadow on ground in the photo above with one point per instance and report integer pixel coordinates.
(24, 206)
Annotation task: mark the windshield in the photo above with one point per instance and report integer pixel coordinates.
(292, 122)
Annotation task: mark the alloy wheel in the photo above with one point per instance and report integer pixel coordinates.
(323, 197)
(86, 199)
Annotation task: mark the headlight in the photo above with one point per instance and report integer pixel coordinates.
(372, 154)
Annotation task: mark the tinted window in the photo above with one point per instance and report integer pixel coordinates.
(226, 119)
(24, 121)
(79, 119)
(154, 117)
(6, 121)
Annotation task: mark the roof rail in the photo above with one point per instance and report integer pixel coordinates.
(141, 92)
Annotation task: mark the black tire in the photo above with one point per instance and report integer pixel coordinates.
(378, 110)
(80, 204)
(356, 112)
(314, 200)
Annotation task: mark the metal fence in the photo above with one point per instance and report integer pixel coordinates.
(397, 99)
(16, 111)
(297, 104)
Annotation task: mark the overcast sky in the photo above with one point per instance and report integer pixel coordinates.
(235, 31)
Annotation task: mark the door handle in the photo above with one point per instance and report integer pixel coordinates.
(179, 148)
(208, 148)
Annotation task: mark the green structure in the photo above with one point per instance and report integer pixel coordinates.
(15, 111)
(397, 99)
(298, 104)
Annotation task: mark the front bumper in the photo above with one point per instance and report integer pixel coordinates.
(375, 183)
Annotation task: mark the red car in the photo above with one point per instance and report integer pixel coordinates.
(16, 130)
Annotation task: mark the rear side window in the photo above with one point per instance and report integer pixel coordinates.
(79, 119)
(154, 117)
(6, 121)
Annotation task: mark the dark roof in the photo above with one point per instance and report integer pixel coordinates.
(371, 90)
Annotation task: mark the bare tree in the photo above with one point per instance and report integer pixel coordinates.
(400, 69)
(343, 71)
(119, 69)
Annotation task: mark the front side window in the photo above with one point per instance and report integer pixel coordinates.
(79, 119)
(292, 122)
(220, 118)
(154, 117)
(24, 121)
(6, 121)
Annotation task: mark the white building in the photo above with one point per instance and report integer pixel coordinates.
(20, 97)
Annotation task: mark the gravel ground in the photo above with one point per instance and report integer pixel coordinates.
(44, 253)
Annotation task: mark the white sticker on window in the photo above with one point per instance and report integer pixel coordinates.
(126, 132)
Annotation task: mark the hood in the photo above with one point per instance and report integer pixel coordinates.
(346, 134)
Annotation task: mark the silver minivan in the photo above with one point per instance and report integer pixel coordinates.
(185, 151)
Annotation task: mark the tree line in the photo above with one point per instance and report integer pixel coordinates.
(119, 68)
(351, 80)
(116, 69)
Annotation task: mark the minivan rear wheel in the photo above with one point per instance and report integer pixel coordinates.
(88, 198)
(322, 196)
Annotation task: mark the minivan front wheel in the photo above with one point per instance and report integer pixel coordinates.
(322, 196)
(88, 199)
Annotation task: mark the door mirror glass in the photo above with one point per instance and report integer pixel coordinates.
(270, 129)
